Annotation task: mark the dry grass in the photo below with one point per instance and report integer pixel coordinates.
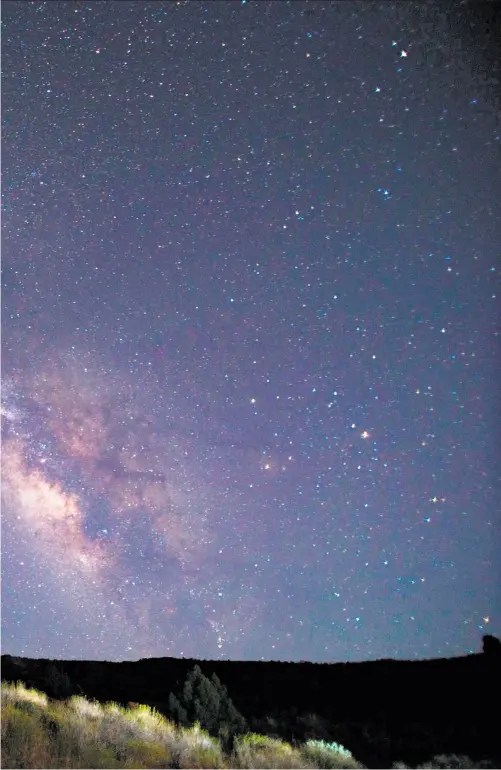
(260, 751)
(38, 732)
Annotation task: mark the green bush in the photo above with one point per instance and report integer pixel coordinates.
(207, 702)
(145, 754)
(261, 751)
(200, 757)
(24, 743)
(195, 748)
(328, 755)
(94, 757)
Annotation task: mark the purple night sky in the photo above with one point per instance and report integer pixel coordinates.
(250, 332)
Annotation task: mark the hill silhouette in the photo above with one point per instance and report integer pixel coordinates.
(383, 711)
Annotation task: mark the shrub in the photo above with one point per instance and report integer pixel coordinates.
(66, 733)
(195, 748)
(57, 683)
(24, 743)
(147, 723)
(207, 702)
(114, 729)
(328, 755)
(97, 757)
(261, 751)
(18, 693)
(324, 746)
(442, 761)
(85, 708)
(313, 727)
(145, 754)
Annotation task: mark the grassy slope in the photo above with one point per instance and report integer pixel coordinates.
(41, 733)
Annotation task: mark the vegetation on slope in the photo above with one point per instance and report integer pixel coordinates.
(207, 702)
(38, 732)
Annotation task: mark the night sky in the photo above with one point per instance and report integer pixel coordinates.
(250, 332)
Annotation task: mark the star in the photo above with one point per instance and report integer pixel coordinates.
(240, 255)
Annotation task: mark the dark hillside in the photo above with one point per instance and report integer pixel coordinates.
(383, 710)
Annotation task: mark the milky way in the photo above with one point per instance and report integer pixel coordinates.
(98, 487)
(250, 332)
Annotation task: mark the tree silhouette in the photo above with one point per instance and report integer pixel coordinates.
(207, 701)
(57, 682)
(491, 645)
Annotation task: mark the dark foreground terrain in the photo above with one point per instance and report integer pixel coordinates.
(383, 711)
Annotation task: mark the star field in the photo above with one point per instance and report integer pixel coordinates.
(250, 332)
